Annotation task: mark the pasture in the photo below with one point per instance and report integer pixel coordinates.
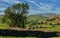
(32, 23)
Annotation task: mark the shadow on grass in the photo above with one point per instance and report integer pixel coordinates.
(39, 34)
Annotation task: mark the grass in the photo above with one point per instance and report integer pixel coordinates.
(56, 28)
(51, 28)
(22, 37)
(3, 26)
(54, 37)
(47, 27)
(15, 37)
(34, 18)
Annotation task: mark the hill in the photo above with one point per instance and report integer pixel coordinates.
(54, 20)
(49, 14)
(36, 17)
(41, 16)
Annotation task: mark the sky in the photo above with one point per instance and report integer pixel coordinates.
(36, 6)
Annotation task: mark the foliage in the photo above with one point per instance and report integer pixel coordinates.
(3, 20)
(16, 15)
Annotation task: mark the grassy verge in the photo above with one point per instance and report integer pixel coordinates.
(15, 37)
(45, 27)
(3, 26)
(54, 37)
(55, 28)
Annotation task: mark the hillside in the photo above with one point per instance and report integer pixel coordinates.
(41, 16)
(37, 17)
(54, 20)
(49, 14)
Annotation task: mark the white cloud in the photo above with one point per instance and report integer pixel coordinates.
(11, 1)
(4, 6)
(34, 11)
(17, 2)
(45, 8)
(1, 13)
(57, 10)
(34, 3)
(53, 0)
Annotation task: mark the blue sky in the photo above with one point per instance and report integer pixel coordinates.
(36, 6)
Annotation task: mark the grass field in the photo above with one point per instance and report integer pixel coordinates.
(15, 37)
(22, 37)
(46, 27)
(54, 37)
(42, 26)
(3, 26)
(51, 28)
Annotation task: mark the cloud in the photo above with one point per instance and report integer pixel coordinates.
(17, 2)
(34, 3)
(5, 3)
(53, 0)
(45, 8)
(11, 1)
(34, 11)
(57, 10)
(41, 7)
(2, 8)
(1, 13)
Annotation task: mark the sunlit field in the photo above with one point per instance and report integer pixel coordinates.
(15, 37)
(54, 37)
(3, 26)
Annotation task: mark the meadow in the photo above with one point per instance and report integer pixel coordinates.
(15, 37)
(22, 37)
(34, 23)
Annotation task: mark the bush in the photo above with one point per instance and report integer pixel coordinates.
(50, 23)
(3, 20)
(58, 23)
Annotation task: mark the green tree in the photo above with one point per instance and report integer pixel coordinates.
(16, 15)
(3, 20)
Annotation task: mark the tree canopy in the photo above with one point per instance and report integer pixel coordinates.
(16, 15)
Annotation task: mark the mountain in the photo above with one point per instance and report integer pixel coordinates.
(49, 14)
(45, 14)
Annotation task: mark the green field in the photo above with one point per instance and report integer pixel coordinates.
(54, 37)
(3, 26)
(47, 27)
(15, 37)
(35, 26)
(22, 37)
(34, 18)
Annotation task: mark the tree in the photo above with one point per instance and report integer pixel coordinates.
(16, 15)
(3, 20)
